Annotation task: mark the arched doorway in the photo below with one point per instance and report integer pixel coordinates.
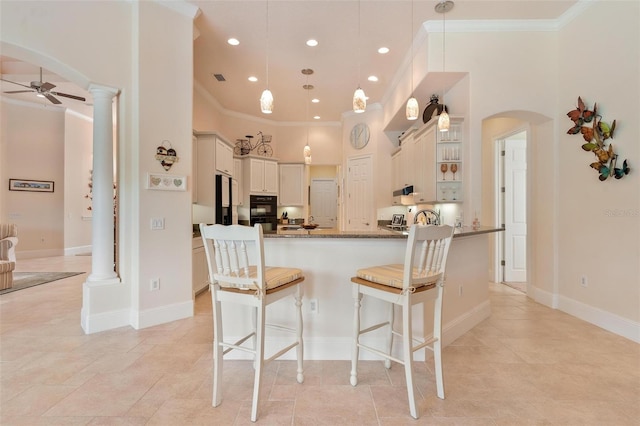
(539, 196)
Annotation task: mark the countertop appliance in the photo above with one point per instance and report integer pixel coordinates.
(263, 210)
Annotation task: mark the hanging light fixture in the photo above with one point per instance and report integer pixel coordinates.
(413, 108)
(443, 7)
(266, 100)
(359, 98)
(307, 149)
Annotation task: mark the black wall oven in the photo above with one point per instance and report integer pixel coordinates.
(264, 210)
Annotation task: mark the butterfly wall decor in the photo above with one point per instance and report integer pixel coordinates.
(595, 132)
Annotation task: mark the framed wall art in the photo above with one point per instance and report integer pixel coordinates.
(31, 185)
(166, 182)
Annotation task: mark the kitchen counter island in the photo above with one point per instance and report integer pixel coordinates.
(329, 259)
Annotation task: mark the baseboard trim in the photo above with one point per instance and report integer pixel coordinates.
(596, 316)
(161, 315)
(73, 251)
(104, 321)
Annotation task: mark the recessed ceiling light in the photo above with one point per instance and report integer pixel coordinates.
(316, 117)
(315, 100)
(312, 43)
(383, 50)
(253, 79)
(233, 41)
(372, 78)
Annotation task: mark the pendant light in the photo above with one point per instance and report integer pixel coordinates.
(413, 108)
(443, 7)
(266, 100)
(307, 149)
(359, 98)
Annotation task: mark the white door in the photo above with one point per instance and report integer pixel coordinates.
(515, 212)
(359, 202)
(324, 202)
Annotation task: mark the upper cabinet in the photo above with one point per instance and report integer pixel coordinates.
(424, 164)
(291, 185)
(207, 150)
(407, 171)
(224, 157)
(431, 161)
(260, 176)
(449, 166)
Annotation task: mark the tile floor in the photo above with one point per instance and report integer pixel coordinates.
(525, 365)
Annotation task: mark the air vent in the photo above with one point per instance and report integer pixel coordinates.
(220, 77)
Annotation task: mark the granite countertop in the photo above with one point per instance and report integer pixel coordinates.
(465, 231)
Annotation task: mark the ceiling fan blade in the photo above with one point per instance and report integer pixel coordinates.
(52, 99)
(66, 95)
(47, 86)
(19, 91)
(19, 84)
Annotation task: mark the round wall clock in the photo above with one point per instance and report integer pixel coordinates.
(359, 135)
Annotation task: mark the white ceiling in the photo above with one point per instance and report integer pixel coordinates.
(344, 48)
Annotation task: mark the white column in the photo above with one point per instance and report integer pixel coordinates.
(102, 259)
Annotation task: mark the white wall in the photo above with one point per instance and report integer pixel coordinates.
(78, 163)
(599, 222)
(34, 152)
(126, 45)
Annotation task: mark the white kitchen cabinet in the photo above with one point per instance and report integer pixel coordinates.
(224, 157)
(235, 193)
(260, 176)
(199, 271)
(225, 191)
(407, 172)
(236, 189)
(449, 165)
(291, 185)
(424, 165)
(207, 147)
(395, 169)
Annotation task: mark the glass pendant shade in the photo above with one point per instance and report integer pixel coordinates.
(443, 121)
(359, 100)
(412, 109)
(266, 102)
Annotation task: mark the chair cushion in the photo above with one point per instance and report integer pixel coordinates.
(275, 276)
(391, 275)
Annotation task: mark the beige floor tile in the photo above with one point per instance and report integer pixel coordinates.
(524, 365)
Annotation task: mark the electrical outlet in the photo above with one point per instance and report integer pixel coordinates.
(154, 284)
(460, 290)
(313, 306)
(583, 281)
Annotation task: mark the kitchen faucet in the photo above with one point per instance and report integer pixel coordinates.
(431, 217)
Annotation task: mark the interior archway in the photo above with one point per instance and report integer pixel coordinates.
(541, 194)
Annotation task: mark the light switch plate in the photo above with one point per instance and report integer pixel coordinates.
(157, 223)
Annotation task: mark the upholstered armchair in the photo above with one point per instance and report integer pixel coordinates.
(8, 243)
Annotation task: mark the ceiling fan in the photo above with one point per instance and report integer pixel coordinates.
(43, 89)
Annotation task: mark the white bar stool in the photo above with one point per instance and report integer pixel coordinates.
(237, 274)
(419, 280)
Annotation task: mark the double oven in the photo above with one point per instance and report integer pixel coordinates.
(263, 210)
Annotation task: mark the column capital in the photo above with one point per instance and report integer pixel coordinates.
(98, 89)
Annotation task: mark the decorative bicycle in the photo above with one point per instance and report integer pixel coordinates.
(262, 147)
